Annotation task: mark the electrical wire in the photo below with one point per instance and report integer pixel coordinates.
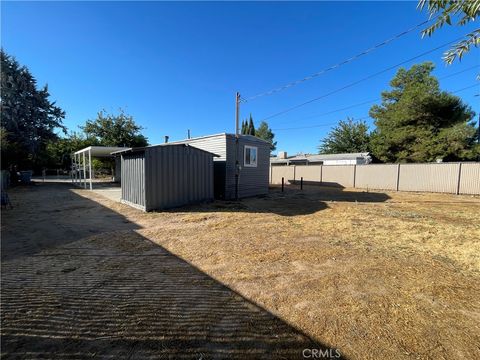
(362, 118)
(359, 81)
(337, 65)
(372, 101)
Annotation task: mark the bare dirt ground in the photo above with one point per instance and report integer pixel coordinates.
(372, 274)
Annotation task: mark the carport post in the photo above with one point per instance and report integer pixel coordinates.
(71, 171)
(84, 171)
(75, 168)
(90, 166)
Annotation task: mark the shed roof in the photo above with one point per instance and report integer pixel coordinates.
(143, 148)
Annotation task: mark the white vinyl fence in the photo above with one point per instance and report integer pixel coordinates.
(454, 178)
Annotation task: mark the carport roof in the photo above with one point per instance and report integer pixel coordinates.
(101, 151)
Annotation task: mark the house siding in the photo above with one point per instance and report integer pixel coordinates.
(252, 181)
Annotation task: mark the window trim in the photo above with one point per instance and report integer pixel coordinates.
(245, 156)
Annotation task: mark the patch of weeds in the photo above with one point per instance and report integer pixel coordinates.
(404, 214)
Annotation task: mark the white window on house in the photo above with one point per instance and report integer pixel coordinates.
(250, 156)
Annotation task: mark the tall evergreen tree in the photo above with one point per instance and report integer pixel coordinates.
(29, 120)
(251, 126)
(244, 127)
(265, 133)
(417, 122)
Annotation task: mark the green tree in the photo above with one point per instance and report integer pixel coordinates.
(464, 11)
(58, 152)
(29, 120)
(251, 127)
(347, 137)
(115, 130)
(417, 122)
(265, 133)
(244, 127)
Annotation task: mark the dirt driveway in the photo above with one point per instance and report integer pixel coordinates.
(372, 274)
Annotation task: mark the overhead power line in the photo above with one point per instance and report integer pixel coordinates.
(362, 118)
(337, 65)
(359, 81)
(371, 101)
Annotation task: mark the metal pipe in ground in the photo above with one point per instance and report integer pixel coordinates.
(301, 183)
(283, 183)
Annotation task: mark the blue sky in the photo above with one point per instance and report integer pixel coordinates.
(177, 66)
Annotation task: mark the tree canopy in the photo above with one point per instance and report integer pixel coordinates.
(417, 122)
(115, 130)
(29, 119)
(347, 137)
(464, 11)
(265, 133)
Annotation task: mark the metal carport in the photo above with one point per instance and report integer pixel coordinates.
(82, 162)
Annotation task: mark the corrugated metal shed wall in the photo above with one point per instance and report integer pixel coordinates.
(215, 144)
(133, 179)
(470, 178)
(429, 177)
(177, 175)
(252, 180)
(383, 177)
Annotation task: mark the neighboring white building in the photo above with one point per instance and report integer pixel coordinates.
(322, 159)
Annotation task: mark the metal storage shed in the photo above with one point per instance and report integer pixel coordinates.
(166, 176)
(253, 156)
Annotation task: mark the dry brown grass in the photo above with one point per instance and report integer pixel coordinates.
(389, 275)
(374, 274)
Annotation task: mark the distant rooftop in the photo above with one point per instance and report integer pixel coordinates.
(319, 157)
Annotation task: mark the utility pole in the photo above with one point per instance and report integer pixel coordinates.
(237, 113)
(237, 165)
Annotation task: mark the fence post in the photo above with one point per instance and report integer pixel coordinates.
(459, 176)
(398, 177)
(283, 182)
(294, 173)
(301, 183)
(354, 174)
(321, 174)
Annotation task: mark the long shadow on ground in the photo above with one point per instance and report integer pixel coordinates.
(292, 201)
(83, 291)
